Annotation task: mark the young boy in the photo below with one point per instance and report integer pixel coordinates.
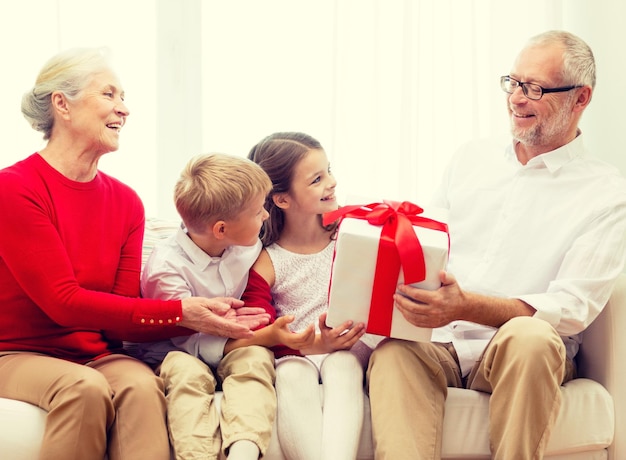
(220, 199)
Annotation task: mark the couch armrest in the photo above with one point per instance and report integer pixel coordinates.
(601, 358)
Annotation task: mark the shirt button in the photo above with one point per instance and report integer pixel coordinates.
(160, 321)
(151, 321)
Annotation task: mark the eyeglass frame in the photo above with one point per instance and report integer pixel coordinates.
(523, 85)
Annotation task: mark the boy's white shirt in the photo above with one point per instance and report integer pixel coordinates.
(177, 269)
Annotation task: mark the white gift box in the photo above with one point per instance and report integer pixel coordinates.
(354, 269)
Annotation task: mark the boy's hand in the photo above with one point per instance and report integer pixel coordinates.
(215, 316)
(253, 317)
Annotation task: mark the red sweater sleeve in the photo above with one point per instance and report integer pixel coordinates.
(70, 257)
(259, 294)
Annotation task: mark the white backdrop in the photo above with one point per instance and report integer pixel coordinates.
(390, 88)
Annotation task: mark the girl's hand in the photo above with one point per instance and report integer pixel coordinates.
(342, 337)
(293, 340)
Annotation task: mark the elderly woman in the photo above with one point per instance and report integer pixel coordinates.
(70, 256)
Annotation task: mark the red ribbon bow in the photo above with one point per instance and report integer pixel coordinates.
(399, 247)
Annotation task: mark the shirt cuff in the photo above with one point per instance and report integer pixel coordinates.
(546, 309)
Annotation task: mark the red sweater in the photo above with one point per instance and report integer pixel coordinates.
(70, 260)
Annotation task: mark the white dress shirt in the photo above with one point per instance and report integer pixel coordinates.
(551, 233)
(177, 269)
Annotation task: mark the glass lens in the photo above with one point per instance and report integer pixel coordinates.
(509, 85)
(532, 91)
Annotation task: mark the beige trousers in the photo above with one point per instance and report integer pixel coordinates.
(248, 407)
(522, 367)
(113, 405)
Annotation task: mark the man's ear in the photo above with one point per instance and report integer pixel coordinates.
(60, 104)
(583, 99)
(282, 200)
(219, 229)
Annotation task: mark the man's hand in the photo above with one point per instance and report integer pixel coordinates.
(215, 316)
(449, 303)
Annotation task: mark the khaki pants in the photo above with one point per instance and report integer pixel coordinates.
(113, 405)
(522, 367)
(248, 406)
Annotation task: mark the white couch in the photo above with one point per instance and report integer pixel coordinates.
(590, 426)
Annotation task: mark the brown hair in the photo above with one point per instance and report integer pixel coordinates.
(278, 154)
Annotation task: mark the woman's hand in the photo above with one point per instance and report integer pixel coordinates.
(217, 316)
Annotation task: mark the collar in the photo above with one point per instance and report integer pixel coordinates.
(194, 252)
(203, 260)
(554, 160)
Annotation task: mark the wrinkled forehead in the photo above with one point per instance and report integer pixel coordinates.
(539, 64)
(105, 78)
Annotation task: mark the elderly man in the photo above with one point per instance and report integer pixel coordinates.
(537, 241)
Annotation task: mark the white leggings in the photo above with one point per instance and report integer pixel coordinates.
(314, 424)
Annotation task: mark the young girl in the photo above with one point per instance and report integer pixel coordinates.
(295, 268)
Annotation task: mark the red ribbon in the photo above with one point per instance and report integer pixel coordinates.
(399, 247)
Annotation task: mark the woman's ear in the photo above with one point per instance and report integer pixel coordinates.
(219, 229)
(281, 200)
(60, 104)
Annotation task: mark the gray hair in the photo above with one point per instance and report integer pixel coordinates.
(68, 72)
(579, 67)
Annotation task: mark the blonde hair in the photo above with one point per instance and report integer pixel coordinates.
(68, 72)
(216, 187)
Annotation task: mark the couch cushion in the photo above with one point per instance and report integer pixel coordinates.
(21, 430)
(155, 231)
(585, 421)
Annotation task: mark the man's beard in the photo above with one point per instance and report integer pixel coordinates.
(543, 133)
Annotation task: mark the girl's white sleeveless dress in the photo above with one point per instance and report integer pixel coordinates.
(301, 283)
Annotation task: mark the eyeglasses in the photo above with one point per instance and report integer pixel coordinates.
(531, 90)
